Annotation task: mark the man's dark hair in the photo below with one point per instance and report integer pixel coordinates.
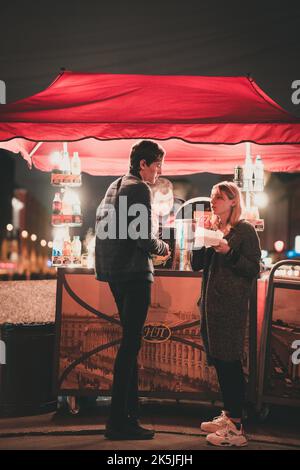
(145, 150)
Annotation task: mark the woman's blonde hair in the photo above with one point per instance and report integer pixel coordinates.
(233, 193)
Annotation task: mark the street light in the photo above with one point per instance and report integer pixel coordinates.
(297, 243)
(9, 227)
(33, 237)
(279, 246)
(24, 234)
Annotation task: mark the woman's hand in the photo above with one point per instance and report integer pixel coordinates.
(223, 247)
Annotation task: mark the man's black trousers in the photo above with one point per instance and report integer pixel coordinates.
(133, 300)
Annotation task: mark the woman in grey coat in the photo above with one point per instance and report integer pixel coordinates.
(229, 270)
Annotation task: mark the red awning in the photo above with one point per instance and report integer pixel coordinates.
(102, 115)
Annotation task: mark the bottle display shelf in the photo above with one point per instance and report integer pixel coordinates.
(61, 220)
(66, 262)
(64, 180)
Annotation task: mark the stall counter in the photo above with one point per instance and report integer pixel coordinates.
(172, 360)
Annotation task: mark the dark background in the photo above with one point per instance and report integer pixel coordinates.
(37, 38)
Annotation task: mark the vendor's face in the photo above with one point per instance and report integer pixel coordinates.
(162, 204)
(152, 172)
(220, 203)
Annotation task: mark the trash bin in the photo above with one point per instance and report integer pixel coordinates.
(26, 376)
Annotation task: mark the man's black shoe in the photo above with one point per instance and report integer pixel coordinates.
(133, 421)
(128, 432)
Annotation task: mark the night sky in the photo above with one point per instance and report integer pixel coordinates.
(193, 37)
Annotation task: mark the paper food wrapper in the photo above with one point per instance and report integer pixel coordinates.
(205, 237)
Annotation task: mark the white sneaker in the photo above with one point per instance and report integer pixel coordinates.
(228, 436)
(216, 424)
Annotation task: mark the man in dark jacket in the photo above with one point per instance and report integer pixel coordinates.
(124, 245)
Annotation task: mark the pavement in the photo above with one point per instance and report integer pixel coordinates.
(176, 425)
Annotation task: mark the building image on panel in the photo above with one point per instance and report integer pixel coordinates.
(171, 358)
(284, 373)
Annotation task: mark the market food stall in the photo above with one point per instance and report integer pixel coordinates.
(203, 123)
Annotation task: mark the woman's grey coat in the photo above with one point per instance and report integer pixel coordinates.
(226, 288)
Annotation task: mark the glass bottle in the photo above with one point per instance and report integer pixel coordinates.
(248, 173)
(66, 163)
(258, 174)
(75, 164)
(57, 204)
(76, 247)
